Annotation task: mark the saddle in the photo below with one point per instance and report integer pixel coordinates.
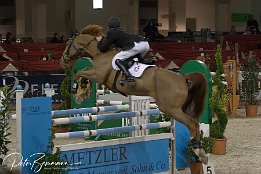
(128, 63)
(137, 58)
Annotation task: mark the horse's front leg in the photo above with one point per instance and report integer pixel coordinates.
(83, 85)
(88, 73)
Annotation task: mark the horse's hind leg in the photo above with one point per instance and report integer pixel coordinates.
(193, 126)
(191, 123)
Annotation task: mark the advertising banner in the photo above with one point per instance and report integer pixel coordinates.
(125, 156)
(34, 85)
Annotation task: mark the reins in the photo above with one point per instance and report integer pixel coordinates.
(86, 46)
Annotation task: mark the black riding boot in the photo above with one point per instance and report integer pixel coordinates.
(128, 76)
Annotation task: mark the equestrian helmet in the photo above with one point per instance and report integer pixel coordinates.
(114, 22)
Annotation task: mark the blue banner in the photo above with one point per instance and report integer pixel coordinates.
(145, 157)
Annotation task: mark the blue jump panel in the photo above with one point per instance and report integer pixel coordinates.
(133, 158)
(36, 120)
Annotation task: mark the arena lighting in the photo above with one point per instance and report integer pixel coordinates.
(97, 4)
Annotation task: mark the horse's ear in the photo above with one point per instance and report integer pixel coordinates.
(94, 30)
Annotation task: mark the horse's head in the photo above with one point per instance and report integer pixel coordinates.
(79, 44)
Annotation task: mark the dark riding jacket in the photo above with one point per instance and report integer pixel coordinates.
(120, 38)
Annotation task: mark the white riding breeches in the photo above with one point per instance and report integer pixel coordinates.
(139, 48)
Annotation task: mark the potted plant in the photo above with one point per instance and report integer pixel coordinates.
(5, 132)
(250, 86)
(66, 97)
(219, 102)
(194, 162)
(53, 156)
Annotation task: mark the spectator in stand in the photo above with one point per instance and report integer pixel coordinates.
(247, 31)
(9, 38)
(63, 40)
(1, 41)
(73, 33)
(232, 30)
(189, 36)
(252, 23)
(150, 30)
(56, 38)
(1, 38)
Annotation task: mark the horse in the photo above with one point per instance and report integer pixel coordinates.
(182, 97)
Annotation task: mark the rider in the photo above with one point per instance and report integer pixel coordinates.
(130, 45)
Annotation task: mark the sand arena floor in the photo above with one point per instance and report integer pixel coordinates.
(243, 149)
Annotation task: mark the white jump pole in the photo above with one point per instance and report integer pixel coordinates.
(19, 95)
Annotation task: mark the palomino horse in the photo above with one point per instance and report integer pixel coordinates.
(181, 97)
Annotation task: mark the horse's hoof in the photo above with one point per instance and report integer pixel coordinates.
(203, 156)
(204, 160)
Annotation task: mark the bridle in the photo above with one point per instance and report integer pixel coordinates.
(79, 51)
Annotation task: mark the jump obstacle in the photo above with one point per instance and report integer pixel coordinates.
(125, 155)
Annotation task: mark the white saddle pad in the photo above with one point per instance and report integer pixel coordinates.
(137, 69)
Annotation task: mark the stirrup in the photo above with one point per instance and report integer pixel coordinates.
(148, 61)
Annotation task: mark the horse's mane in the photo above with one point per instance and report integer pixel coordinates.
(93, 30)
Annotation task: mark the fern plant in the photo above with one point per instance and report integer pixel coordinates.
(66, 94)
(51, 157)
(219, 99)
(5, 97)
(65, 91)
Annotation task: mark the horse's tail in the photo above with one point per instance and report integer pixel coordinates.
(195, 102)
